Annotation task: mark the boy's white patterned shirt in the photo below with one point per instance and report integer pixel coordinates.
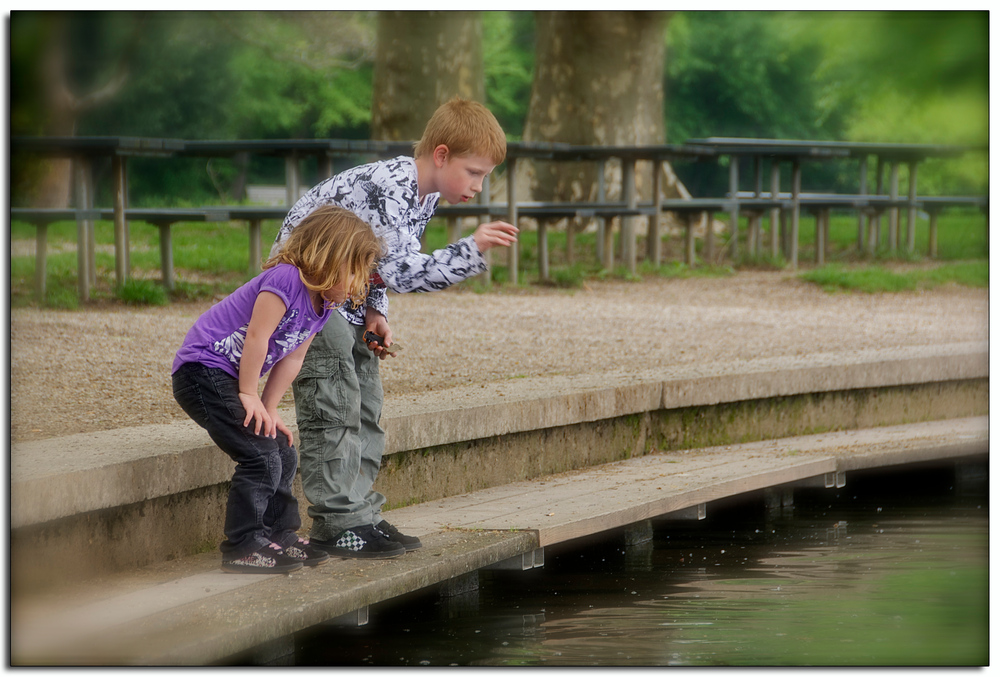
(384, 194)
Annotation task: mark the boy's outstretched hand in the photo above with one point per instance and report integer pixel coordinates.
(493, 234)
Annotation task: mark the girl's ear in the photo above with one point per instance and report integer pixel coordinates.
(440, 155)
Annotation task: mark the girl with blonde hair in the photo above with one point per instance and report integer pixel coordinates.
(265, 327)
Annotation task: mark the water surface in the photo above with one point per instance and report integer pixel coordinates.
(891, 570)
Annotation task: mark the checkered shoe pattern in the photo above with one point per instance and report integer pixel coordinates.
(350, 541)
(360, 542)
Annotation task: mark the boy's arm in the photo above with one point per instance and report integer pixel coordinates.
(278, 380)
(405, 268)
(268, 310)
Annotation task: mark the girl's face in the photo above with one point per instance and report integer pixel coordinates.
(338, 294)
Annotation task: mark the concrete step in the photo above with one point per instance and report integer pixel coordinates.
(186, 612)
(95, 503)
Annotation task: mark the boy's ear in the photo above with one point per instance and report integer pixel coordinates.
(440, 155)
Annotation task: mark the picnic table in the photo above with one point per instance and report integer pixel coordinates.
(83, 150)
(798, 151)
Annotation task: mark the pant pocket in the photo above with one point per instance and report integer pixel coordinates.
(326, 393)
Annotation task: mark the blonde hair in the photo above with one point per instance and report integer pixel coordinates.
(330, 246)
(467, 128)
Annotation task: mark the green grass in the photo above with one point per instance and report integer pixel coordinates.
(212, 259)
(876, 278)
(962, 236)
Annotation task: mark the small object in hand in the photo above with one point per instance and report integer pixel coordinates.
(372, 337)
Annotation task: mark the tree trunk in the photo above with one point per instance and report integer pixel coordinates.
(53, 189)
(598, 81)
(423, 59)
(63, 108)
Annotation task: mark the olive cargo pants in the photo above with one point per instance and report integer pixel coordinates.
(338, 404)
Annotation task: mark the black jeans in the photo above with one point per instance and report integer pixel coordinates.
(261, 508)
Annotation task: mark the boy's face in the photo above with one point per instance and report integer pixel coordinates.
(460, 178)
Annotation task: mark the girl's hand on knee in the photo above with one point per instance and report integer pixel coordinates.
(280, 427)
(257, 413)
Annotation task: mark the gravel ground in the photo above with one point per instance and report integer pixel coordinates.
(100, 369)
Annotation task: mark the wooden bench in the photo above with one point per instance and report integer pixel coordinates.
(163, 219)
(820, 205)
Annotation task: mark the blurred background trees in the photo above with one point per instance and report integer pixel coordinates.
(636, 78)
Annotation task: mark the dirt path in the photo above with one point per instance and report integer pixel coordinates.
(82, 371)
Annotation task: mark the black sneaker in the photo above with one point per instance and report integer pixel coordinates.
(307, 553)
(392, 533)
(365, 542)
(270, 559)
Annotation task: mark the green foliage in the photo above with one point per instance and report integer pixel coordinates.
(737, 74)
(740, 74)
(909, 77)
(508, 61)
(867, 76)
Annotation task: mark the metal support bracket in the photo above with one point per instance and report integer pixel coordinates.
(352, 619)
(695, 512)
(522, 562)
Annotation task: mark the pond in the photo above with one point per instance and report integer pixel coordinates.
(890, 570)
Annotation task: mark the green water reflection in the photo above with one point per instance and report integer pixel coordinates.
(864, 576)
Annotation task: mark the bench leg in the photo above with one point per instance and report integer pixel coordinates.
(609, 244)
(512, 262)
(41, 254)
(628, 222)
(821, 217)
(166, 256)
(690, 221)
(292, 179)
(255, 247)
(543, 249)
(83, 260)
(894, 211)
(796, 189)
(84, 199)
(601, 223)
(862, 190)
(486, 277)
(734, 214)
(92, 253)
(653, 248)
(121, 226)
(776, 211)
(911, 210)
(708, 249)
(932, 236)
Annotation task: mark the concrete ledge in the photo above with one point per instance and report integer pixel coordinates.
(462, 414)
(209, 616)
(193, 615)
(56, 478)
